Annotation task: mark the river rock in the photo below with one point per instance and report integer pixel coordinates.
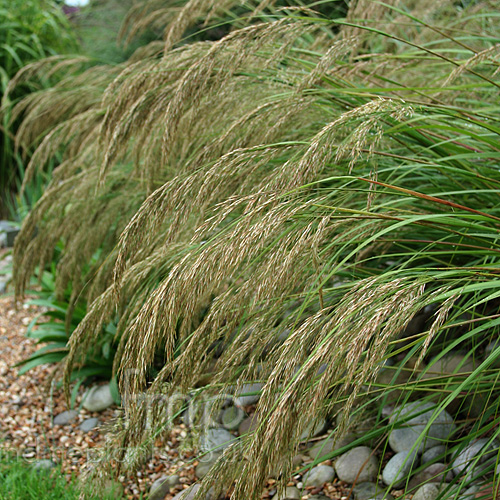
(249, 399)
(364, 491)
(205, 464)
(368, 491)
(290, 493)
(398, 468)
(474, 404)
(249, 424)
(451, 364)
(187, 494)
(434, 473)
(190, 493)
(43, 464)
(9, 232)
(232, 418)
(404, 437)
(161, 487)
(391, 378)
(464, 460)
(88, 424)
(216, 440)
(98, 398)
(328, 445)
(313, 429)
(66, 417)
(468, 494)
(429, 491)
(319, 475)
(358, 464)
(433, 454)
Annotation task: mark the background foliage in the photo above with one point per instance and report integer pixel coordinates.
(31, 30)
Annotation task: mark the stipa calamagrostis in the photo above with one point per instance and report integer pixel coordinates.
(283, 177)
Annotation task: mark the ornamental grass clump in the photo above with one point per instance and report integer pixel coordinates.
(332, 177)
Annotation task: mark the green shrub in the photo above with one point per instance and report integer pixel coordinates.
(30, 30)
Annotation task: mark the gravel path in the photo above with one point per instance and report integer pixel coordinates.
(28, 406)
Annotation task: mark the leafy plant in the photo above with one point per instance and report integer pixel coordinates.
(24, 199)
(30, 31)
(52, 329)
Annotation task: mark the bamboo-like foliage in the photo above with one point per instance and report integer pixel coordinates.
(331, 177)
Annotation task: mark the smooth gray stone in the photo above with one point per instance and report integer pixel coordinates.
(189, 493)
(398, 468)
(10, 232)
(434, 473)
(404, 437)
(319, 475)
(232, 418)
(290, 493)
(492, 345)
(429, 491)
(249, 388)
(216, 440)
(387, 411)
(88, 424)
(451, 364)
(435, 453)
(205, 464)
(328, 445)
(66, 417)
(370, 491)
(98, 398)
(43, 464)
(469, 493)
(249, 424)
(464, 461)
(474, 404)
(358, 464)
(313, 429)
(365, 490)
(162, 486)
(193, 414)
(3, 286)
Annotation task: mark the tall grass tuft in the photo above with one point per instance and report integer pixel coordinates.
(333, 176)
